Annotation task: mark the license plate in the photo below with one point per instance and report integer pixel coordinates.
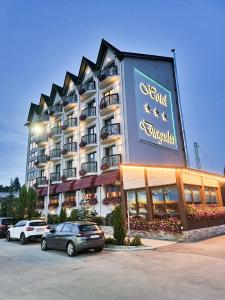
(95, 236)
(40, 229)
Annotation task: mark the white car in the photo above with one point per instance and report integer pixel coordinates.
(27, 230)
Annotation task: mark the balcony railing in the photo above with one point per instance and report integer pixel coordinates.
(89, 139)
(43, 117)
(55, 153)
(70, 147)
(69, 99)
(41, 180)
(112, 160)
(110, 129)
(56, 109)
(88, 86)
(56, 130)
(70, 122)
(70, 172)
(89, 112)
(41, 138)
(41, 159)
(109, 100)
(109, 71)
(55, 177)
(89, 167)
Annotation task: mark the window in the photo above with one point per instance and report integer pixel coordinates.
(91, 130)
(71, 197)
(211, 195)
(112, 191)
(88, 227)
(110, 150)
(41, 173)
(165, 201)
(69, 139)
(91, 157)
(67, 228)
(109, 121)
(91, 103)
(57, 168)
(70, 116)
(137, 202)
(192, 194)
(108, 93)
(57, 145)
(38, 223)
(69, 164)
(58, 227)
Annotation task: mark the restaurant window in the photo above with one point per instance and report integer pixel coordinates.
(192, 194)
(165, 201)
(112, 191)
(211, 195)
(70, 198)
(137, 202)
(89, 193)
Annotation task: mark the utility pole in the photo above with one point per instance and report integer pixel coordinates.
(197, 157)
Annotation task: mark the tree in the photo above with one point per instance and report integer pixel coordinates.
(22, 203)
(74, 215)
(119, 228)
(16, 184)
(31, 203)
(62, 216)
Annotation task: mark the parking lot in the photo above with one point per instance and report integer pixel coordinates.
(178, 271)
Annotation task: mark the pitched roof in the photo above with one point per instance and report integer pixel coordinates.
(66, 81)
(46, 99)
(85, 62)
(55, 89)
(34, 108)
(103, 50)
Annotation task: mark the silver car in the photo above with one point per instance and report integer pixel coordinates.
(74, 237)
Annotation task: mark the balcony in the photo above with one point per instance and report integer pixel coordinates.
(69, 101)
(109, 103)
(54, 177)
(69, 124)
(41, 181)
(56, 110)
(88, 140)
(111, 161)
(108, 76)
(69, 149)
(69, 173)
(88, 114)
(41, 139)
(88, 167)
(87, 89)
(41, 160)
(43, 117)
(56, 131)
(55, 154)
(110, 132)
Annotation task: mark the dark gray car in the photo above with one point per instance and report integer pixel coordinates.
(74, 237)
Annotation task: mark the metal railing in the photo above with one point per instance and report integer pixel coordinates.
(89, 111)
(108, 71)
(42, 159)
(89, 138)
(55, 177)
(41, 138)
(71, 122)
(69, 99)
(109, 100)
(111, 129)
(55, 153)
(56, 109)
(56, 130)
(70, 147)
(41, 180)
(112, 160)
(89, 167)
(70, 172)
(88, 86)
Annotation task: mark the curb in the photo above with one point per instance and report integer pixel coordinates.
(129, 249)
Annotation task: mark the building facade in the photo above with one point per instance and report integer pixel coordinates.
(121, 109)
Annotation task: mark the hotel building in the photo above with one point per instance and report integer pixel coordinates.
(121, 110)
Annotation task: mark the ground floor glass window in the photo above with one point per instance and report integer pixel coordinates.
(137, 201)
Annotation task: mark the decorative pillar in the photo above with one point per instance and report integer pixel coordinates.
(219, 195)
(148, 196)
(181, 202)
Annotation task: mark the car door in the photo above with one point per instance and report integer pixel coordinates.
(65, 234)
(20, 229)
(52, 236)
(14, 229)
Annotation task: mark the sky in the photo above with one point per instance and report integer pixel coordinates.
(40, 40)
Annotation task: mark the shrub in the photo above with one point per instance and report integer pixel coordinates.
(119, 228)
(98, 220)
(52, 219)
(62, 216)
(74, 215)
(109, 219)
(136, 241)
(109, 241)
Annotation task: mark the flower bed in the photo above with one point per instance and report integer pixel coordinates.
(111, 201)
(171, 225)
(204, 212)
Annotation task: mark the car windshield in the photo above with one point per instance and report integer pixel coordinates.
(38, 223)
(88, 227)
(8, 222)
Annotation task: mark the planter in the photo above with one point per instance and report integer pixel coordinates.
(104, 135)
(81, 91)
(65, 103)
(105, 166)
(50, 135)
(102, 77)
(64, 151)
(63, 178)
(36, 163)
(82, 172)
(111, 201)
(103, 105)
(64, 127)
(82, 117)
(82, 144)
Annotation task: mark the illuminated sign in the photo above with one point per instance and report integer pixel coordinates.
(154, 112)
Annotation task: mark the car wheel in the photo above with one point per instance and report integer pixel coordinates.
(70, 249)
(23, 239)
(44, 246)
(8, 236)
(98, 249)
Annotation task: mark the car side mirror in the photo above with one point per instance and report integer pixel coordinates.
(52, 230)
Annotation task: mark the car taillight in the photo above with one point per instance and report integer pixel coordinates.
(81, 234)
(29, 228)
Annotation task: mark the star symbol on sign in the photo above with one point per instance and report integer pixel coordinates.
(156, 112)
(164, 116)
(147, 108)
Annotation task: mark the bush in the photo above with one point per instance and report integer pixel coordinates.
(52, 219)
(119, 228)
(74, 215)
(136, 241)
(98, 220)
(109, 241)
(62, 216)
(109, 219)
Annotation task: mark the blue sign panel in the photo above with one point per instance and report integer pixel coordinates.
(154, 112)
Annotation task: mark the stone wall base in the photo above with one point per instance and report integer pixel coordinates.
(187, 236)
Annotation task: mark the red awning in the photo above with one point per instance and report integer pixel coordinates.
(84, 183)
(107, 178)
(53, 188)
(44, 191)
(66, 186)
